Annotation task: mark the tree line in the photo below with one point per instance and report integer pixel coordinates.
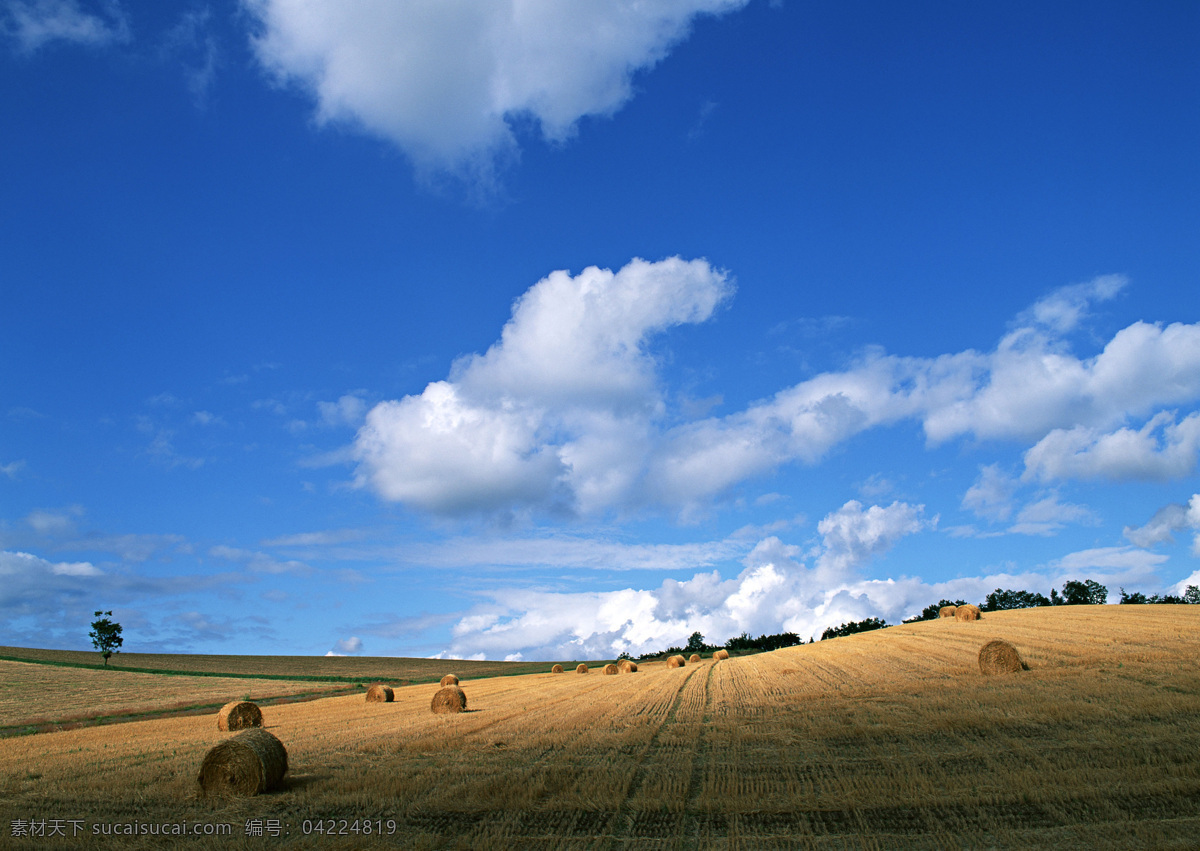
(1087, 592)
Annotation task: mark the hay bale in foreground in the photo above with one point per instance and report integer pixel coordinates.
(1000, 657)
(610, 669)
(581, 668)
(627, 666)
(380, 694)
(251, 762)
(239, 715)
(947, 611)
(694, 658)
(675, 662)
(967, 613)
(449, 680)
(557, 669)
(721, 654)
(448, 699)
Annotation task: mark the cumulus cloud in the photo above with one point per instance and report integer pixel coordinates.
(776, 590)
(1161, 449)
(558, 413)
(446, 82)
(34, 23)
(851, 536)
(566, 411)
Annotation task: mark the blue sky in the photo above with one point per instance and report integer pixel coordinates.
(552, 330)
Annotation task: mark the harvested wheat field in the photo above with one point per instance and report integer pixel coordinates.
(887, 739)
(34, 696)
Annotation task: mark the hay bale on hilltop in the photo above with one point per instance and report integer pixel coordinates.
(557, 669)
(947, 611)
(966, 613)
(449, 680)
(627, 666)
(1000, 657)
(694, 658)
(581, 668)
(721, 654)
(448, 699)
(675, 662)
(380, 694)
(610, 669)
(251, 762)
(239, 715)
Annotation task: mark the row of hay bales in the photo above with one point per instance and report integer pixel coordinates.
(449, 698)
(628, 666)
(254, 761)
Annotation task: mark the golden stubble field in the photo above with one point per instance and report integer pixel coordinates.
(891, 739)
(38, 695)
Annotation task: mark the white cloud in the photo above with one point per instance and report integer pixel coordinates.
(346, 646)
(1160, 449)
(447, 81)
(558, 413)
(35, 23)
(774, 592)
(54, 523)
(1063, 309)
(1110, 566)
(10, 470)
(192, 40)
(1047, 516)
(259, 562)
(348, 410)
(1168, 519)
(566, 412)
(1193, 517)
(852, 536)
(991, 497)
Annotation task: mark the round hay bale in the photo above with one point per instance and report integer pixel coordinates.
(239, 715)
(627, 666)
(449, 680)
(947, 611)
(448, 699)
(967, 613)
(694, 658)
(380, 694)
(581, 668)
(610, 669)
(675, 662)
(721, 654)
(557, 669)
(1000, 657)
(251, 762)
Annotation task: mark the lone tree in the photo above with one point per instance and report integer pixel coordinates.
(106, 635)
(695, 643)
